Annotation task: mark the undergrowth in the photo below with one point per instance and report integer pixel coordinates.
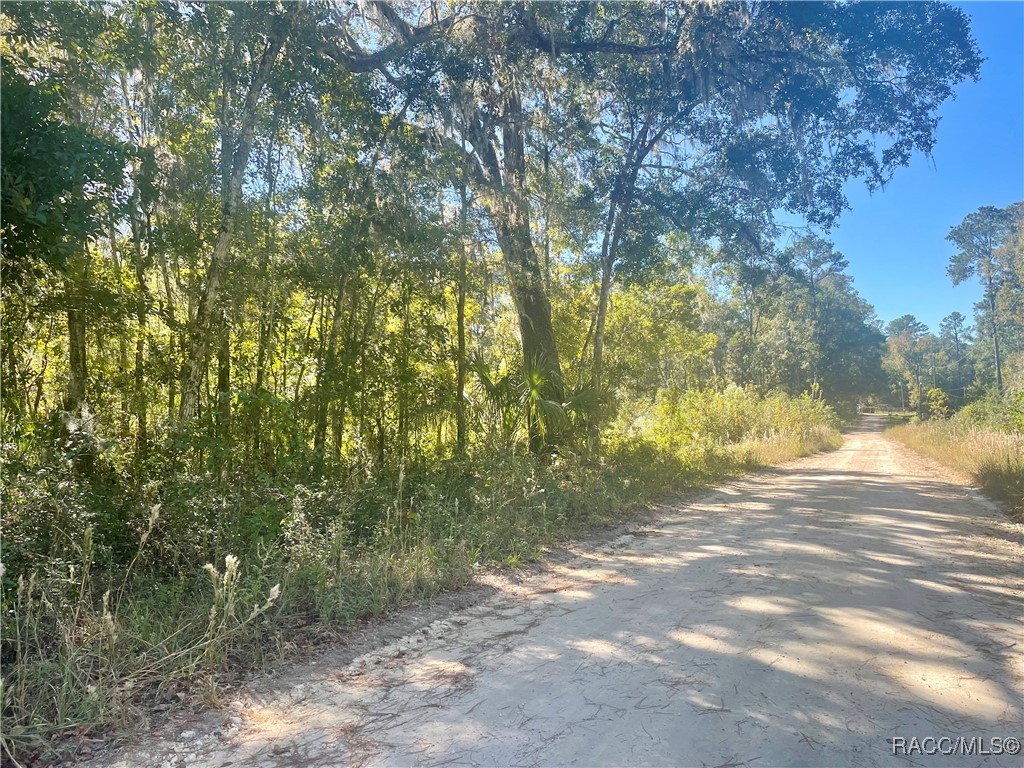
(112, 611)
(993, 459)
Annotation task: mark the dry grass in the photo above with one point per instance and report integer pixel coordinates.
(784, 446)
(994, 460)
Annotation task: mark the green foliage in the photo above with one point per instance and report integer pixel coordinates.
(938, 403)
(59, 182)
(990, 246)
(656, 339)
(976, 238)
(704, 428)
(800, 325)
(994, 412)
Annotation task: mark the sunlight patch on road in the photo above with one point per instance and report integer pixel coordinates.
(889, 559)
(702, 641)
(948, 686)
(807, 548)
(789, 662)
(774, 606)
(975, 582)
(937, 587)
(596, 647)
(718, 549)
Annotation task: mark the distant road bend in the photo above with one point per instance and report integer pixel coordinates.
(805, 616)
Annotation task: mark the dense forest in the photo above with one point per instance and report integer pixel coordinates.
(344, 299)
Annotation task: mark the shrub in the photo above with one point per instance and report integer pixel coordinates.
(994, 412)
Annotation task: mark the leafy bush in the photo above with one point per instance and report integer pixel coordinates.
(698, 424)
(994, 412)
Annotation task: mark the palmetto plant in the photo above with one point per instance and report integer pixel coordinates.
(501, 415)
(520, 397)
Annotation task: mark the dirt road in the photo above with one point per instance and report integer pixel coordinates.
(804, 616)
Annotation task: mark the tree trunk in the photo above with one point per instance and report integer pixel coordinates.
(257, 387)
(381, 437)
(504, 188)
(266, 323)
(995, 335)
(141, 414)
(344, 372)
(75, 401)
(126, 399)
(224, 396)
(142, 298)
(618, 219)
(460, 361)
(265, 351)
(141, 318)
(78, 372)
(326, 383)
(540, 352)
(172, 383)
(597, 369)
(620, 202)
(404, 381)
(194, 368)
(604, 294)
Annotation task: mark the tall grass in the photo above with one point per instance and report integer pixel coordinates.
(994, 460)
(780, 446)
(89, 646)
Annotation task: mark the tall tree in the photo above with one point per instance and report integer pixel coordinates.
(909, 344)
(978, 239)
(59, 179)
(781, 121)
(956, 336)
(239, 103)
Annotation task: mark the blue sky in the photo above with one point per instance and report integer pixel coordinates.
(895, 239)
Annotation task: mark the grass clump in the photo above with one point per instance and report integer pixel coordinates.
(994, 459)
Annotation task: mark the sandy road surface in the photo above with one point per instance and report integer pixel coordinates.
(804, 616)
